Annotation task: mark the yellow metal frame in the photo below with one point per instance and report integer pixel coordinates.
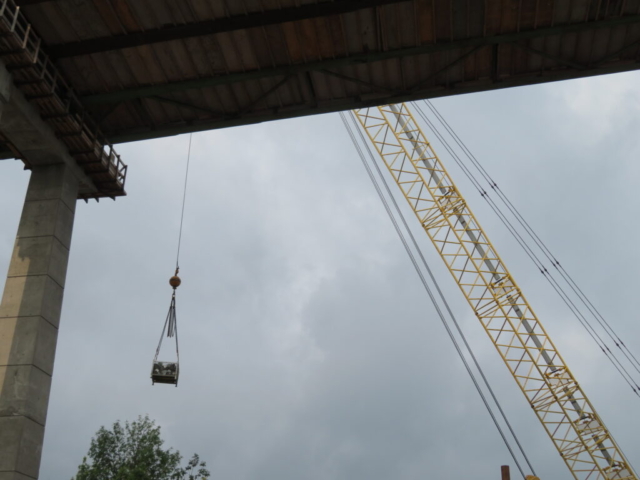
(562, 407)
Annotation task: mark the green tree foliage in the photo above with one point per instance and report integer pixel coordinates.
(134, 452)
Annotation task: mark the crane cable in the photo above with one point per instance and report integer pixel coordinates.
(585, 300)
(538, 241)
(532, 255)
(431, 294)
(170, 324)
(184, 200)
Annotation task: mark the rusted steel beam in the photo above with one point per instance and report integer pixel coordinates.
(211, 27)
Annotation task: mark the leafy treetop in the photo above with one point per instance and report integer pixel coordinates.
(134, 452)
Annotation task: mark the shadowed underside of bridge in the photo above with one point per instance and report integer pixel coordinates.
(77, 76)
(151, 68)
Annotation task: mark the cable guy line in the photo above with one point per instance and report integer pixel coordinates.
(430, 293)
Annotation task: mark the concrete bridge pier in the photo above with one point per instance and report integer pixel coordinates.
(30, 316)
(32, 300)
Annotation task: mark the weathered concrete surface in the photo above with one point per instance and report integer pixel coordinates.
(30, 315)
(32, 299)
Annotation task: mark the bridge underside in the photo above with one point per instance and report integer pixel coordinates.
(77, 76)
(146, 69)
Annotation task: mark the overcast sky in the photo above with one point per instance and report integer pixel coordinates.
(309, 349)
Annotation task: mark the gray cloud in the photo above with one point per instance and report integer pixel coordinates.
(308, 347)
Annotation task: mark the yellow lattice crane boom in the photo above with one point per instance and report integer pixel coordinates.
(559, 402)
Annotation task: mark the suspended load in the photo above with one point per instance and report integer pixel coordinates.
(162, 371)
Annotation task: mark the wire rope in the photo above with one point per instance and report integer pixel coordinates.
(170, 327)
(440, 293)
(170, 324)
(628, 378)
(432, 296)
(538, 241)
(184, 200)
(549, 277)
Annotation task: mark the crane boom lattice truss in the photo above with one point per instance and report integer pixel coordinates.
(559, 402)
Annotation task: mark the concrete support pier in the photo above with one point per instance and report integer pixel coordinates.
(30, 315)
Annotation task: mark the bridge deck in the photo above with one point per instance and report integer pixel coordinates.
(151, 68)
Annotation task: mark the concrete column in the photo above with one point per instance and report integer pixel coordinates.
(30, 315)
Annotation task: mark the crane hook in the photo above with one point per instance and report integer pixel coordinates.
(175, 280)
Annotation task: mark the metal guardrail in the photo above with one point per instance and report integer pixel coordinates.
(41, 83)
